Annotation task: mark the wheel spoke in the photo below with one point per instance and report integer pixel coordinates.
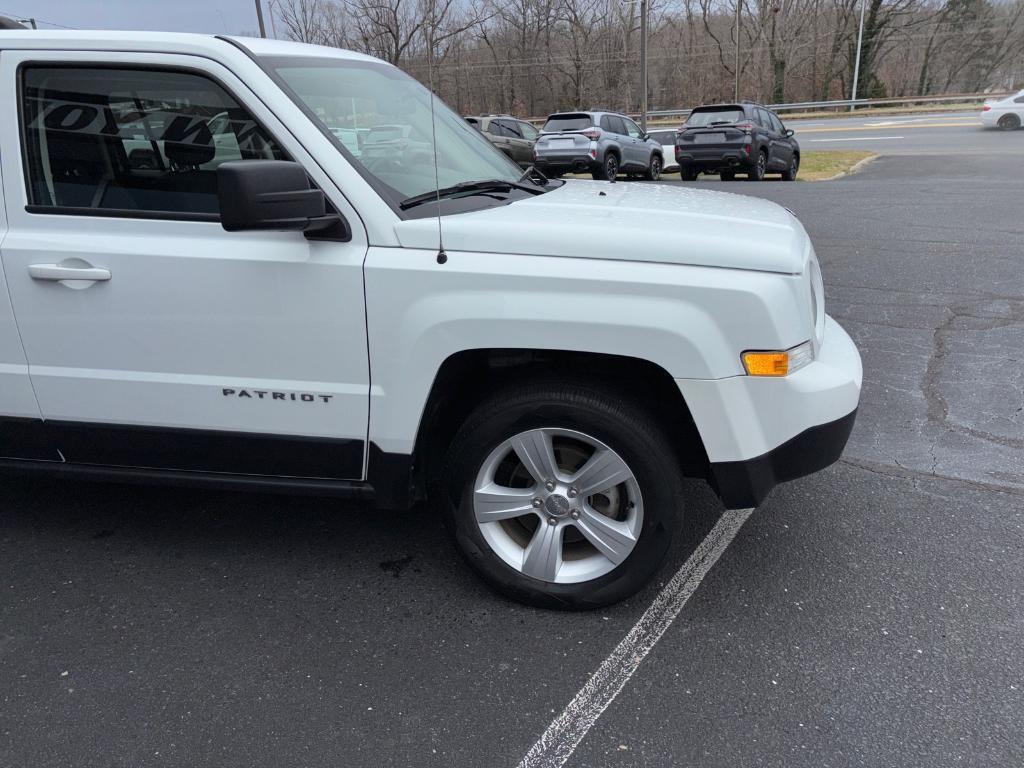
(495, 502)
(534, 449)
(543, 555)
(603, 470)
(611, 538)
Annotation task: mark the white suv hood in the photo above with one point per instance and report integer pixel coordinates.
(628, 221)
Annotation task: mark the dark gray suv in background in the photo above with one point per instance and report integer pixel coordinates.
(736, 138)
(604, 143)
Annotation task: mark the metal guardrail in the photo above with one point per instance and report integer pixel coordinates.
(839, 103)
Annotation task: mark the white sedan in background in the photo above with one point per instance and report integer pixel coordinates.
(1007, 114)
(667, 138)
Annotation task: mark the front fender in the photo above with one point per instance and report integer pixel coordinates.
(691, 321)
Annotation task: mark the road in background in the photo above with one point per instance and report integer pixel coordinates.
(869, 615)
(951, 133)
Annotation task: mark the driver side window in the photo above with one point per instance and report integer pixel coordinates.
(632, 128)
(142, 141)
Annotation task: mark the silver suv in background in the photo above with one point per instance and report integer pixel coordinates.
(604, 143)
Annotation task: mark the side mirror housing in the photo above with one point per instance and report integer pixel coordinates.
(789, 133)
(274, 195)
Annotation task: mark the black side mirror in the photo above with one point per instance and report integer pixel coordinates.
(275, 195)
(789, 133)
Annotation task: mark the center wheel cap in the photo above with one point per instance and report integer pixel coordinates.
(557, 505)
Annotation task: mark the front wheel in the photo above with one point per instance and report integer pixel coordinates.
(790, 173)
(561, 495)
(653, 172)
(609, 169)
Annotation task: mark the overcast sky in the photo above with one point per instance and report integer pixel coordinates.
(213, 16)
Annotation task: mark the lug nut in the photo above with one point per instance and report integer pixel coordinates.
(551, 521)
(575, 515)
(573, 493)
(537, 502)
(550, 485)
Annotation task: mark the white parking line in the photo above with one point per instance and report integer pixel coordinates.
(859, 138)
(566, 731)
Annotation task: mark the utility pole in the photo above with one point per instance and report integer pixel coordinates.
(259, 18)
(643, 65)
(856, 65)
(736, 90)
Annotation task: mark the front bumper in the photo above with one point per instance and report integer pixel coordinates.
(758, 432)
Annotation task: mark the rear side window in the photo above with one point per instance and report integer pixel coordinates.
(1019, 100)
(701, 118)
(613, 124)
(664, 137)
(130, 140)
(568, 122)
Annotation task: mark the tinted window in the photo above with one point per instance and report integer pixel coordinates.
(763, 119)
(666, 138)
(123, 139)
(1019, 100)
(496, 129)
(709, 116)
(631, 128)
(776, 123)
(510, 128)
(614, 124)
(568, 122)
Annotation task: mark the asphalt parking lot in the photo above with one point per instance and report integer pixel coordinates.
(870, 615)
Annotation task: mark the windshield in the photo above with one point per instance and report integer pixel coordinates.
(705, 117)
(381, 118)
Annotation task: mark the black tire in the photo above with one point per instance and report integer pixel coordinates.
(617, 421)
(758, 169)
(609, 168)
(727, 175)
(1009, 122)
(653, 172)
(794, 166)
(688, 174)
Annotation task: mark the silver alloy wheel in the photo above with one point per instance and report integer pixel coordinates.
(655, 168)
(558, 505)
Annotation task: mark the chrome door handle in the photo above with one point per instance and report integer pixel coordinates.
(60, 272)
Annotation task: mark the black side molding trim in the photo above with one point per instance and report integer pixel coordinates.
(346, 489)
(191, 450)
(743, 484)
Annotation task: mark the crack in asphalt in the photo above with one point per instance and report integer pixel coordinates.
(938, 408)
(917, 475)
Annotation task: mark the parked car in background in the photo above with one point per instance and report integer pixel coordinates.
(603, 143)
(667, 138)
(513, 137)
(736, 138)
(1007, 114)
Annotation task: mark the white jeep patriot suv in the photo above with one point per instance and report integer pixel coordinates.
(209, 277)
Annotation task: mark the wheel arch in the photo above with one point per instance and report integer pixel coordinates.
(466, 378)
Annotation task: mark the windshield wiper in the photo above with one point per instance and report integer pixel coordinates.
(488, 185)
(532, 173)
